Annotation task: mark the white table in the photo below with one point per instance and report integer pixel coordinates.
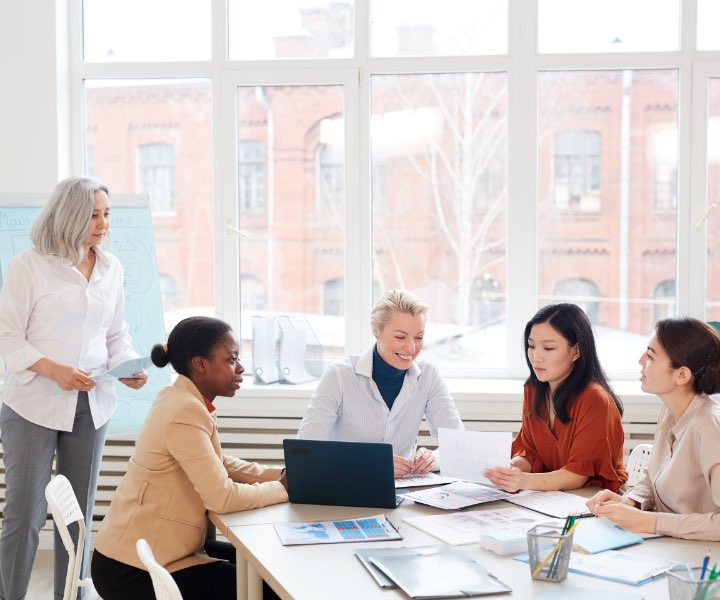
(331, 571)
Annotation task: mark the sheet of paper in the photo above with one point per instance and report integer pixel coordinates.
(457, 495)
(466, 454)
(368, 529)
(554, 504)
(124, 369)
(469, 527)
(416, 480)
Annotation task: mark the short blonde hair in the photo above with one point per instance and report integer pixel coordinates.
(394, 301)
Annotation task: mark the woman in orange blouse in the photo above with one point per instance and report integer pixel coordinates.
(571, 434)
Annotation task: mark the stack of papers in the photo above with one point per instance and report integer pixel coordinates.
(503, 530)
(457, 495)
(431, 572)
(617, 566)
(368, 529)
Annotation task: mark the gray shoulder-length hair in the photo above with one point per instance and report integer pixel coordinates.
(63, 225)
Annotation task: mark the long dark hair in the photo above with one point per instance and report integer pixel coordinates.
(572, 323)
(693, 344)
(191, 337)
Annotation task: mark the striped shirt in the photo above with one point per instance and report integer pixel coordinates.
(682, 482)
(347, 405)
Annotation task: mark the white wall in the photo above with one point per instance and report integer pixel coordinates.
(34, 117)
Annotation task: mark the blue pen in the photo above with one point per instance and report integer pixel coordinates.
(705, 562)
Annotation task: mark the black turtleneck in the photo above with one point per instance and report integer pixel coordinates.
(388, 379)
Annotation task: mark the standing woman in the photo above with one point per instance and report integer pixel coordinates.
(61, 317)
(679, 495)
(383, 394)
(571, 434)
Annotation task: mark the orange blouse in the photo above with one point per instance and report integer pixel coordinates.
(590, 444)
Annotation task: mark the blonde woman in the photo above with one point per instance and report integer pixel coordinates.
(383, 394)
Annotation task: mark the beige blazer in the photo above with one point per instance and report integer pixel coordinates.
(178, 472)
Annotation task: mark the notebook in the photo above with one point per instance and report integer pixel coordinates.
(340, 473)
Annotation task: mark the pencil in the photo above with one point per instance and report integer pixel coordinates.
(705, 562)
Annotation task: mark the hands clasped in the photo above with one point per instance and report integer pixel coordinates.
(622, 511)
(424, 461)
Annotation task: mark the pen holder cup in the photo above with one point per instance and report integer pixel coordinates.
(685, 584)
(549, 552)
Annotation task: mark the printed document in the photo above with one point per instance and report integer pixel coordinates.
(457, 495)
(417, 480)
(124, 369)
(367, 529)
(466, 454)
(470, 527)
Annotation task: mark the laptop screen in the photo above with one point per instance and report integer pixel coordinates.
(340, 473)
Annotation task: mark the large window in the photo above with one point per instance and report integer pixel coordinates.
(437, 231)
(577, 170)
(251, 176)
(155, 137)
(302, 157)
(156, 175)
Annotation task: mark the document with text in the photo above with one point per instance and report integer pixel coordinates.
(466, 454)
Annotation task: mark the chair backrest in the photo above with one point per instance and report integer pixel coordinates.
(637, 462)
(65, 509)
(163, 583)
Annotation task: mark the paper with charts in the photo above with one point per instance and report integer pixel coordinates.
(366, 529)
(466, 454)
(460, 494)
(461, 528)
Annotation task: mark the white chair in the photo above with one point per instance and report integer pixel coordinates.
(637, 462)
(163, 583)
(65, 509)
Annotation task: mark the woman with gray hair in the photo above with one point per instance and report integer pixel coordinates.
(383, 394)
(61, 317)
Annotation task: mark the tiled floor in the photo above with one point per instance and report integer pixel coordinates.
(41, 581)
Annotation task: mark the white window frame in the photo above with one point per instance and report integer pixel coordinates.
(522, 64)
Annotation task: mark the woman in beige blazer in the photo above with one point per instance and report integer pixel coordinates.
(679, 494)
(178, 472)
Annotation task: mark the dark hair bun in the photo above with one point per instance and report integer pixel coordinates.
(159, 356)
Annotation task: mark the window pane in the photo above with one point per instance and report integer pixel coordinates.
(291, 29)
(608, 25)
(439, 224)
(430, 28)
(708, 19)
(293, 256)
(712, 223)
(606, 240)
(155, 137)
(142, 31)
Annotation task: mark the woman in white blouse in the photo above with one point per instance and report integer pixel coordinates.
(680, 493)
(61, 317)
(383, 394)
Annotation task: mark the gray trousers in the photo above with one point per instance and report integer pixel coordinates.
(28, 454)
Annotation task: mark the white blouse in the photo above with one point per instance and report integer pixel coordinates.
(347, 405)
(49, 310)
